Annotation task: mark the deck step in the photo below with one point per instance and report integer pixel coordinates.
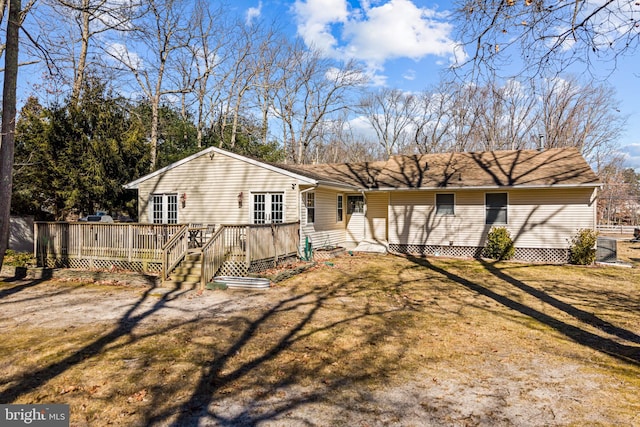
(187, 274)
(182, 285)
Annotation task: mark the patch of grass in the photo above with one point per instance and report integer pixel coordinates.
(340, 334)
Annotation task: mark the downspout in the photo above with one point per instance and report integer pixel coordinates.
(364, 223)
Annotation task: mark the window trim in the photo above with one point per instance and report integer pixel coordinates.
(497, 211)
(443, 205)
(268, 207)
(339, 208)
(310, 208)
(166, 200)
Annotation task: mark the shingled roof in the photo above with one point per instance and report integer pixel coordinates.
(491, 169)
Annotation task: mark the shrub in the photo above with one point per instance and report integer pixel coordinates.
(583, 247)
(18, 259)
(499, 244)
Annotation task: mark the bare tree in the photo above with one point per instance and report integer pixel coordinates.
(432, 121)
(619, 198)
(205, 54)
(582, 116)
(391, 114)
(268, 78)
(513, 115)
(313, 91)
(8, 127)
(465, 112)
(547, 35)
(69, 29)
(155, 40)
(341, 143)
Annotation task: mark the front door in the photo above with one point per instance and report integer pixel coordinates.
(268, 208)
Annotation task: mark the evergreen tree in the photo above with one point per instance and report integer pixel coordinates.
(75, 158)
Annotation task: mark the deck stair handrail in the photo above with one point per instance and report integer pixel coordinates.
(213, 256)
(174, 251)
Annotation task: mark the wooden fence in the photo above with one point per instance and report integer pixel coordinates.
(619, 229)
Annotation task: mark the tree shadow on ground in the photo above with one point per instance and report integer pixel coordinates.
(218, 374)
(627, 353)
(21, 283)
(36, 378)
(581, 315)
(225, 375)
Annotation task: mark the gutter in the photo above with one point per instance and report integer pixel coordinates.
(489, 187)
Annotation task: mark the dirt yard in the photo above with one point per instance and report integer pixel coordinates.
(358, 341)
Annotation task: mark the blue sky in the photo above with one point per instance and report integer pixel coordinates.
(407, 43)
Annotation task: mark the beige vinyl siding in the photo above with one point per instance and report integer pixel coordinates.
(325, 231)
(212, 186)
(413, 219)
(549, 218)
(544, 218)
(376, 216)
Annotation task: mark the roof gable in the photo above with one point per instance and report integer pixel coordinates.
(212, 151)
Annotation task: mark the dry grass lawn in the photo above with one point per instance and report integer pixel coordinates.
(368, 340)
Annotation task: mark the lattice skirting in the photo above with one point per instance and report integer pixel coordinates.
(239, 268)
(546, 255)
(104, 264)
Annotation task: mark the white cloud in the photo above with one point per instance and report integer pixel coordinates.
(631, 155)
(121, 53)
(253, 13)
(375, 33)
(409, 75)
(315, 19)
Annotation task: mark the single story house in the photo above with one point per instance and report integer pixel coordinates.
(431, 204)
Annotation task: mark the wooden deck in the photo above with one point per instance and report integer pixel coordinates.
(160, 247)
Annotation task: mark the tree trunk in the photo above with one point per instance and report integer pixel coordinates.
(84, 49)
(7, 136)
(155, 113)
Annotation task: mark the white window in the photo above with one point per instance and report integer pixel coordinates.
(164, 208)
(496, 208)
(310, 204)
(445, 204)
(340, 208)
(267, 208)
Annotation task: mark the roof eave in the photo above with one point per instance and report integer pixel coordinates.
(489, 187)
(338, 185)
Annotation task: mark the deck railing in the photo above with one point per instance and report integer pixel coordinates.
(160, 247)
(99, 245)
(272, 241)
(174, 251)
(213, 256)
(243, 246)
